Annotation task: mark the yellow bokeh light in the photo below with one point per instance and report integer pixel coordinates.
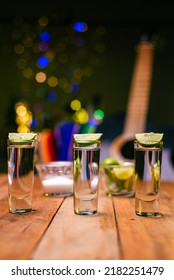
(19, 49)
(50, 55)
(28, 42)
(52, 81)
(81, 116)
(43, 21)
(40, 77)
(78, 72)
(27, 72)
(67, 88)
(21, 63)
(75, 105)
(23, 128)
(21, 110)
(25, 119)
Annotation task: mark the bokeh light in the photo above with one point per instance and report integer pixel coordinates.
(81, 116)
(42, 61)
(75, 87)
(75, 105)
(80, 26)
(52, 81)
(45, 36)
(68, 58)
(40, 77)
(99, 114)
(52, 97)
(23, 117)
(19, 48)
(43, 21)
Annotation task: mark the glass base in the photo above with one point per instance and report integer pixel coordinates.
(148, 214)
(20, 211)
(86, 212)
(124, 194)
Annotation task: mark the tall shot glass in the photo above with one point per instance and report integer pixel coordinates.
(86, 158)
(20, 176)
(147, 179)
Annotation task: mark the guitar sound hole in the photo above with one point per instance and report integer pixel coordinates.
(128, 150)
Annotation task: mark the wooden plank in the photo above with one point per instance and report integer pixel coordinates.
(75, 237)
(3, 186)
(21, 232)
(145, 237)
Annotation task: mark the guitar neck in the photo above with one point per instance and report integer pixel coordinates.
(137, 107)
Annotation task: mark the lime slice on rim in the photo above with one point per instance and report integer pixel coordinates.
(149, 139)
(87, 137)
(22, 138)
(123, 173)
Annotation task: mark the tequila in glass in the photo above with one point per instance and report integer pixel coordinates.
(20, 176)
(86, 158)
(147, 183)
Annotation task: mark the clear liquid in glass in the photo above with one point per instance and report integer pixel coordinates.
(147, 183)
(86, 179)
(20, 177)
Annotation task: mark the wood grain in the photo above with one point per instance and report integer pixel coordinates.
(53, 231)
(147, 237)
(21, 232)
(72, 236)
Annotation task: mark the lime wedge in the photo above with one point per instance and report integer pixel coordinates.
(109, 161)
(22, 138)
(149, 139)
(87, 137)
(124, 172)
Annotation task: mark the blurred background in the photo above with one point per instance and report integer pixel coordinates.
(66, 66)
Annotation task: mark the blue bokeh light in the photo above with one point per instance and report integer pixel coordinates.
(45, 36)
(52, 96)
(43, 61)
(79, 26)
(34, 123)
(75, 87)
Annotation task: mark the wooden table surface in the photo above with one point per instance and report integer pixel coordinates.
(53, 232)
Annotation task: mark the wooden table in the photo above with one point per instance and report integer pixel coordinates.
(52, 231)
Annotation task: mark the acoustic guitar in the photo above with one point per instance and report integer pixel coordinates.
(121, 147)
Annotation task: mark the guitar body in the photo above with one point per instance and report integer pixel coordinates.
(122, 147)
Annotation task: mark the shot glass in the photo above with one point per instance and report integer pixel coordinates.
(147, 183)
(20, 176)
(86, 177)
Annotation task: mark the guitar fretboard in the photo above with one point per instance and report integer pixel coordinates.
(138, 102)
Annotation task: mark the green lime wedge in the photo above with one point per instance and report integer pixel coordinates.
(109, 161)
(87, 137)
(124, 172)
(22, 138)
(149, 139)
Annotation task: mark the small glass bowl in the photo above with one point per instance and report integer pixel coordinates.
(118, 179)
(56, 177)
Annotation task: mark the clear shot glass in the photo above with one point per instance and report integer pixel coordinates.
(20, 176)
(86, 158)
(147, 179)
